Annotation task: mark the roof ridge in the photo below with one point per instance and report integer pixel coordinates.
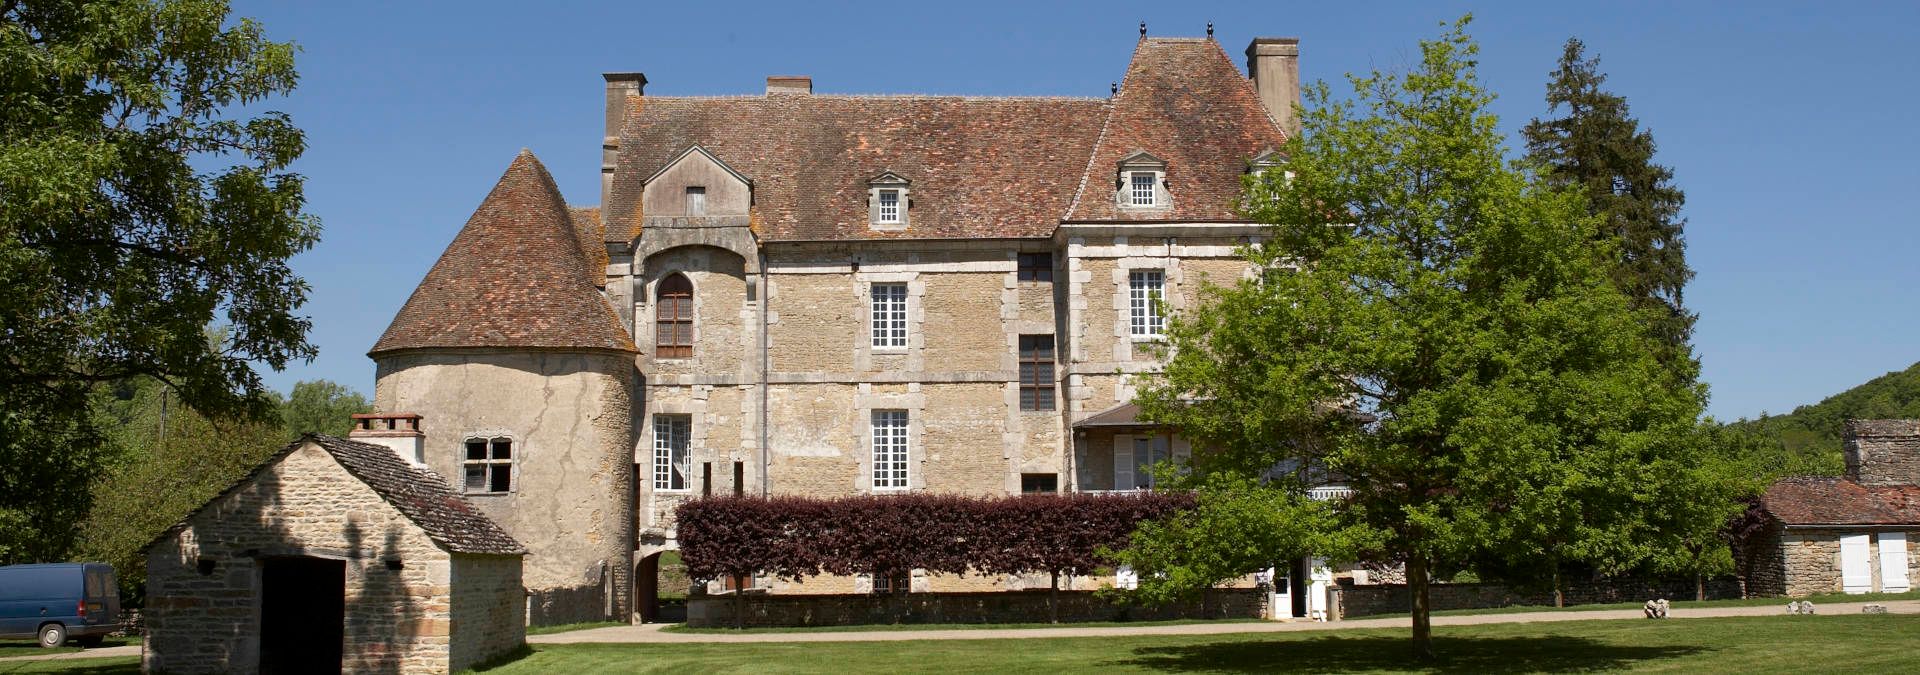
(1113, 104)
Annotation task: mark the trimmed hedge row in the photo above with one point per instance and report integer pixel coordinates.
(798, 537)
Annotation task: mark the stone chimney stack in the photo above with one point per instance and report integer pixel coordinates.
(1273, 63)
(789, 84)
(619, 87)
(399, 432)
(1883, 452)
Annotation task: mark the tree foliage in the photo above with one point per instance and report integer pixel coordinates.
(1808, 440)
(1519, 410)
(322, 407)
(141, 198)
(1597, 148)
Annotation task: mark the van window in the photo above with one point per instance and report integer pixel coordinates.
(97, 584)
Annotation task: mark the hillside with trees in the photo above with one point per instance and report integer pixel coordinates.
(1811, 433)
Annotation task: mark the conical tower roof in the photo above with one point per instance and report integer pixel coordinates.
(515, 277)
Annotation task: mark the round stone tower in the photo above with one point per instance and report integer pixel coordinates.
(524, 380)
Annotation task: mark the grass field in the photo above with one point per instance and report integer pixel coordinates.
(862, 628)
(1827, 644)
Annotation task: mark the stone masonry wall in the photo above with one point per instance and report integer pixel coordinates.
(570, 418)
(1811, 562)
(305, 505)
(487, 613)
(763, 610)
(1883, 452)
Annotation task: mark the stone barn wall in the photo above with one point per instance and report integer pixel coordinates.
(487, 612)
(304, 505)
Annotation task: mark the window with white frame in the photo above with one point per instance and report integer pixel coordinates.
(1145, 289)
(888, 315)
(1141, 192)
(889, 449)
(488, 466)
(889, 207)
(672, 458)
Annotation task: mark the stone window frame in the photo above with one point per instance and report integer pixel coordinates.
(888, 181)
(881, 338)
(515, 450)
(1139, 163)
(1146, 316)
(655, 466)
(867, 357)
(866, 402)
(692, 320)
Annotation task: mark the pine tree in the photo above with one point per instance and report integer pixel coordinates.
(1598, 148)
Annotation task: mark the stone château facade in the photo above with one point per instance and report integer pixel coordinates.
(800, 293)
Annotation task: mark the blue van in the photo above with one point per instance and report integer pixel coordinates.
(59, 601)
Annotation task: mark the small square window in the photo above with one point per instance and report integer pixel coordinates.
(1142, 192)
(696, 201)
(1039, 483)
(488, 467)
(1036, 267)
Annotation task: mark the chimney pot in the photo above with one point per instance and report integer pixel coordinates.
(399, 432)
(1273, 63)
(789, 84)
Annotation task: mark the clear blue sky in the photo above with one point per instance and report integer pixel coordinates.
(1788, 125)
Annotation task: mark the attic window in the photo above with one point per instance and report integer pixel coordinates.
(1142, 182)
(1142, 190)
(889, 202)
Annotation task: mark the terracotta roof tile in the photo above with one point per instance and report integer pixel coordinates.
(589, 230)
(1184, 102)
(515, 276)
(1831, 500)
(979, 167)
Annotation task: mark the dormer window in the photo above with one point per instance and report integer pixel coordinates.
(1142, 182)
(1142, 190)
(889, 204)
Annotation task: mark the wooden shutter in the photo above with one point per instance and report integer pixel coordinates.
(1893, 562)
(1123, 463)
(1856, 566)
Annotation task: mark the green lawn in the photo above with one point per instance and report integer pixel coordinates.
(570, 627)
(1817, 600)
(681, 628)
(29, 647)
(1851, 643)
(119, 665)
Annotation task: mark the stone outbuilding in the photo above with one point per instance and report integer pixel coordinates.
(1852, 533)
(333, 554)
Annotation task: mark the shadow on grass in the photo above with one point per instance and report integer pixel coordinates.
(1550, 654)
(522, 652)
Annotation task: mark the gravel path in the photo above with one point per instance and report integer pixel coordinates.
(652, 633)
(95, 653)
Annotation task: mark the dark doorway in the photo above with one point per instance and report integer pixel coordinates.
(660, 588)
(302, 614)
(1297, 585)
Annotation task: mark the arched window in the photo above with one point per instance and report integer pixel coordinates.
(673, 318)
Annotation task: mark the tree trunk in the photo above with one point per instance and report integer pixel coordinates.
(1699, 586)
(1053, 599)
(1206, 603)
(739, 603)
(1422, 619)
(1559, 597)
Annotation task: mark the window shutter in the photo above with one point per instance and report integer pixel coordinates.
(1893, 562)
(1122, 463)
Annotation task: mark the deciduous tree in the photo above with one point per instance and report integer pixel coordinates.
(143, 195)
(1458, 300)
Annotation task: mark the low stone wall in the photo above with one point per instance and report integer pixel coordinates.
(766, 610)
(1353, 601)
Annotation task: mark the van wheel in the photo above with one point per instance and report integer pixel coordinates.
(53, 635)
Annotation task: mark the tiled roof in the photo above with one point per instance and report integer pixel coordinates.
(1184, 102)
(422, 496)
(515, 276)
(588, 229)
(1831, 500)
(980, 167)
(418, 493)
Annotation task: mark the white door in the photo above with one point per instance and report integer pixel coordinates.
(1856, 566)
(1893, 562)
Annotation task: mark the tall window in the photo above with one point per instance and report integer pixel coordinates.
(889, 449)
(1142, 188)
(1036, 267)
(672, 434)
(673, 318)
(1144, 291)
(696, 201)
(1036, 372)
(889, 315)
(889, 206)
(489, 465)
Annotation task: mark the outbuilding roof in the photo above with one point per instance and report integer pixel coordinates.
(418, 493)
(516, 276)
(1832, 500)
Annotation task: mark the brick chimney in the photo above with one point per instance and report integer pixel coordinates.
(1273, 63)
(1883, 452)
(399, 432)
(789, 84)
(619, 87)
